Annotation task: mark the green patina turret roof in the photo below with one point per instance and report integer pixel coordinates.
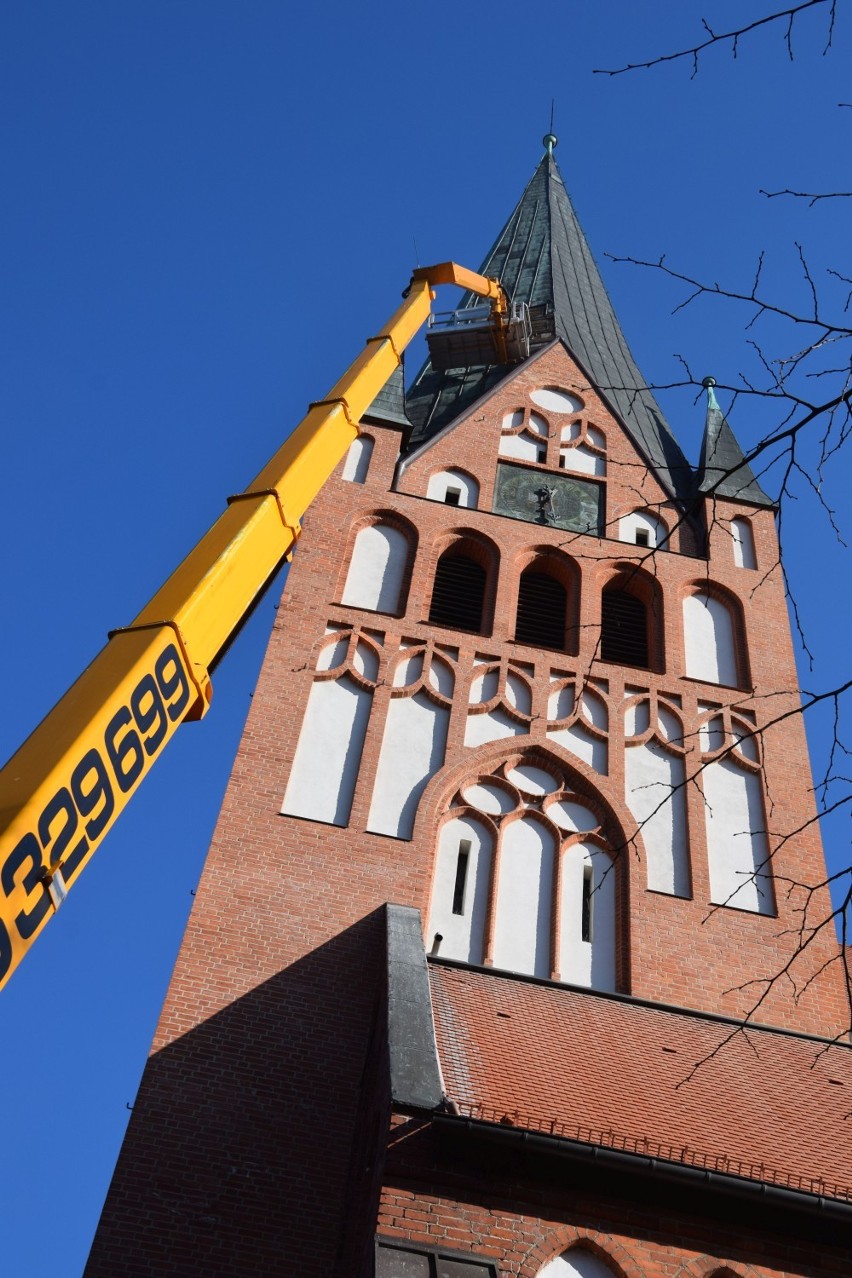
(542, 258)
(723, 470)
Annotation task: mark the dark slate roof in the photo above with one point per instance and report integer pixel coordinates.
(389, 404)
(723, 471)
(541, 257)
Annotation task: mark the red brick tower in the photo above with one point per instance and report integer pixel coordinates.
(506, 855)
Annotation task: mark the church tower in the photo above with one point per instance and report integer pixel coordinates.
(520, 829)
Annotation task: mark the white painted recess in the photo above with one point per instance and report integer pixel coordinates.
(736, 838)
(463, 934)
(377, 569)
(708, 632)
(576, 1264)
(328, 755)
(524, 896)
(445, 482)
(412, 751)
(589, 962)
(641, 521)
(553, 400)
(357, 462)
(743, 539)
(653, 783)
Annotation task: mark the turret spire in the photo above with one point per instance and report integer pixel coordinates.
(723, 470)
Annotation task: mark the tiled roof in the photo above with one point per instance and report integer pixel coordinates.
(723, 470)
(769, 1106)
(542, 257)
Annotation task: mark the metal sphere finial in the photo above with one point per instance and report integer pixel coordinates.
(550, 140)
(708, 382)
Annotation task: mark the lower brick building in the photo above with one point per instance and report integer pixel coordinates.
(518, 834)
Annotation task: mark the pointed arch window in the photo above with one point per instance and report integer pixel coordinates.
(542, 607)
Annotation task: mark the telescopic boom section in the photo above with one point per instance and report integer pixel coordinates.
(62, 791)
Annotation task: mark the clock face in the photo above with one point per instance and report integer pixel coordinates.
(554, 501)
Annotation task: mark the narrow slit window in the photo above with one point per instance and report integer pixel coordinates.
(643, 537)
(453, 496)
(461, 876)
(586, 904)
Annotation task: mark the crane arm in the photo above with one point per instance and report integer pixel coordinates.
(67, 784)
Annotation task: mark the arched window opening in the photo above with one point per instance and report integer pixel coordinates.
(453, 487)
(624, 629)
(458, 595)
(542, 610)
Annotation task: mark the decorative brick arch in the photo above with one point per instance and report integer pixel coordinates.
(711, 1267)
(566, 1238)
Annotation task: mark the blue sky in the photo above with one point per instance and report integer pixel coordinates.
(207, 208)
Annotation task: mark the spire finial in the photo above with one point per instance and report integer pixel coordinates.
(708, 383)
(550, 139)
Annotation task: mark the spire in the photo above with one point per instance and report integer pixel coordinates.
(723, 470)
(542, 258)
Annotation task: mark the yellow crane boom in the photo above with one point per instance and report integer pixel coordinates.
(67, 784)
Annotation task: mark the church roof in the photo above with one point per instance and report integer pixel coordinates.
(542, 258)
(723, 470)
(618, 1072)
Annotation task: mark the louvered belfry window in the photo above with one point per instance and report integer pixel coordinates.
(542, 604)
(624, 629)
(458, 595)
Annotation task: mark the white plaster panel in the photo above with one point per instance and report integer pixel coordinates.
(594, 709)
(569, 432)
(491, 726)
(463, 933)
(582, 461)
(669, 725)
(328, 756)
(578, 740)
(637, 719)
(711, 735)
(485, 687)
(532, 780)
(518, 694)
(366, 661)
(572, 816)
(708, 632)
(441, 677)
(408, 671)
(556, 401)
(536, 425)
(333, 654)
(468, 488)
(524, 895)
(576, 1264)
(489, 798)
(653, 785)
(560, 704)
(736, 839)
(512, 420)
(595, 436)
(358, 460)
(413, 748)
(743, 539)
(591, 962)
(377, 570)
(522, 447)
(638, 520)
